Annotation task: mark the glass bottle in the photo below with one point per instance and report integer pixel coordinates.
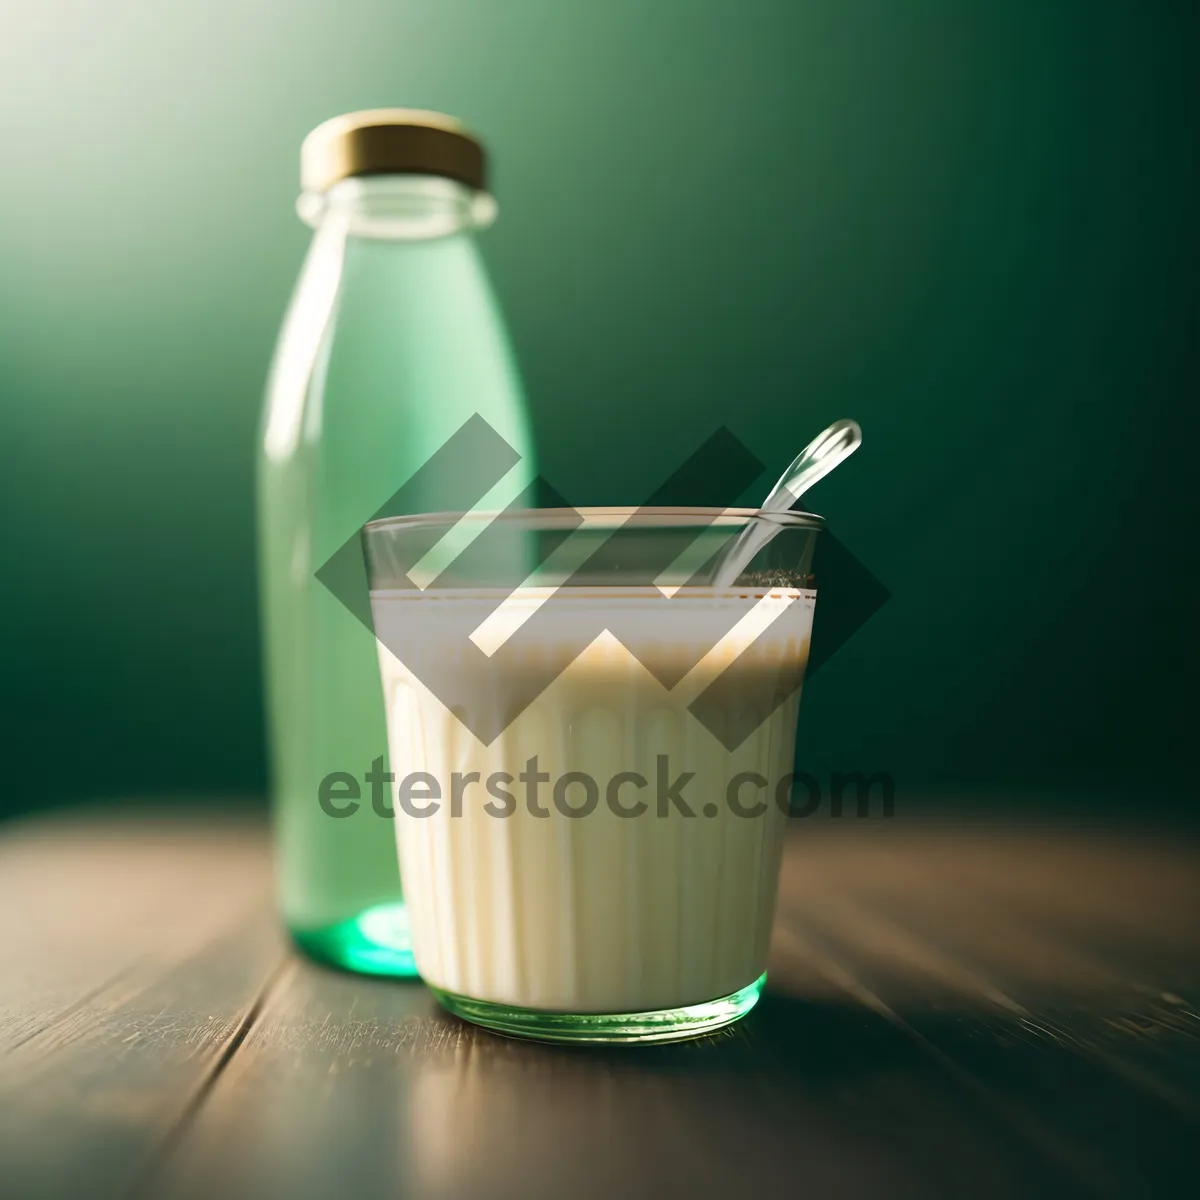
(393, 339)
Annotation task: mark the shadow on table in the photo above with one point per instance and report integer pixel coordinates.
(847, 1099)
(711, 1116)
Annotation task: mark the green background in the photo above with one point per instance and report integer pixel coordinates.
(972, 226)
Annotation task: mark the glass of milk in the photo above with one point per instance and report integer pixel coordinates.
(592, 747)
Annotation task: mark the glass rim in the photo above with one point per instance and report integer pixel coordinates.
(660, 516)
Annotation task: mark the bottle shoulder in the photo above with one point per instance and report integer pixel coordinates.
(392, 341)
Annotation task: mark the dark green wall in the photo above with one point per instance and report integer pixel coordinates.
(968, 224)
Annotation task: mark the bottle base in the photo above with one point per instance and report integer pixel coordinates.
(375, 942)
(662, 1025)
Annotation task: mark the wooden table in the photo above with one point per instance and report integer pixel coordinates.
(985, 1012)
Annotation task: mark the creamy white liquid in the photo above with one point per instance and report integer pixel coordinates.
(599, 913)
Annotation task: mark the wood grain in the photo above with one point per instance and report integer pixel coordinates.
(135, 952)
(349, 1083)
(993, 1012)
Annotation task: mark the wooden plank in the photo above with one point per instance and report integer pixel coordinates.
(1116, 960)
(955, 942)
(996, 1014)
(364, 1086)
(146, 949)
(85, 896)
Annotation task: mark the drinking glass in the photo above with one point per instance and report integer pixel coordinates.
(592, 745)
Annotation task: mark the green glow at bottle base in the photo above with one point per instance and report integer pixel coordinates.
(376, 942)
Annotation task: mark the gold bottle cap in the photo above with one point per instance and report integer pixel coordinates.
(391, 141)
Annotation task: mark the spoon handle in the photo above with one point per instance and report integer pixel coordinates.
(813, 463)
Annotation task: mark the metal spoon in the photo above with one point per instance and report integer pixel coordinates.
(829, 448)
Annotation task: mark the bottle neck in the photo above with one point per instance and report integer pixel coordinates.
(404, 208)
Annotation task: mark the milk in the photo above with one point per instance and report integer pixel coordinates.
(601, 912)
